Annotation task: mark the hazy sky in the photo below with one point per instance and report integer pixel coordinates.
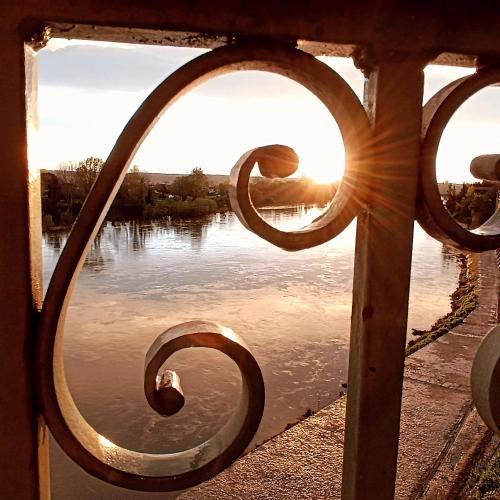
(88, 91)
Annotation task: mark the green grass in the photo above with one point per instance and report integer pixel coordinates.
(463, 301)
(488, 484)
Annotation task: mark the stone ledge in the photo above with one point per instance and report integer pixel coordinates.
(454, 357)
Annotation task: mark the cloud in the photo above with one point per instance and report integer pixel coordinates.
(107, 67)
(110, 67)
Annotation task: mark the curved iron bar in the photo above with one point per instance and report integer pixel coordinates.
(79, 440)
(485, 380)
(281, 161)
(431, 213)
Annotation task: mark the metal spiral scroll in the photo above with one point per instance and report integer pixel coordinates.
(436, 220)
(163, 472)
(281, 161)
(431, 213)
(485, 380)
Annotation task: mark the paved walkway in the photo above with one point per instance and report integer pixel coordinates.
(441, 434)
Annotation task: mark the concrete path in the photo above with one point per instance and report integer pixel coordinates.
(441, 435)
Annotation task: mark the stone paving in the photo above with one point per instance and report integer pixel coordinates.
(441, 434)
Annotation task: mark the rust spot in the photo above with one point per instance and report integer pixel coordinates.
(367, 313)
(372, 369)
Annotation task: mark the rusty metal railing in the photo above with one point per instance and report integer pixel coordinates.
(373, 148)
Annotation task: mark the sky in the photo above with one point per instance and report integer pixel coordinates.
(89, 90)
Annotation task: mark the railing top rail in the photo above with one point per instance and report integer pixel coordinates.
(445, 33)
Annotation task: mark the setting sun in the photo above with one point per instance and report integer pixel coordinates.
(323, 174)
(323, 166)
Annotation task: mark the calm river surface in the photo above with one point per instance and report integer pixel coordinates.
(292, 309)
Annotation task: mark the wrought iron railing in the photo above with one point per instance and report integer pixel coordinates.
(365, 192)
(389, 182)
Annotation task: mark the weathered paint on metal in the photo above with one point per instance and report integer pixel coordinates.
(20, 277)
(454, 33)
(393, 96)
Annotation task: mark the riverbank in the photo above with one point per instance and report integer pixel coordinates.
(161, 209)
(463, 301)
(187, 196)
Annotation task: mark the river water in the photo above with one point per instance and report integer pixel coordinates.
(292, 309)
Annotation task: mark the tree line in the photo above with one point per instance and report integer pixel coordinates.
(472, 204)
(65, 189)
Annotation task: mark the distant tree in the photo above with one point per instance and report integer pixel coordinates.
(482, 205)
(51, 192)
(181, 187)
(450, 198)
(194, 185)
(223, 189)
(134, 188)
(290, 191)
(86, 173)
(473, 204)
(199, 183)
(222, 196)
